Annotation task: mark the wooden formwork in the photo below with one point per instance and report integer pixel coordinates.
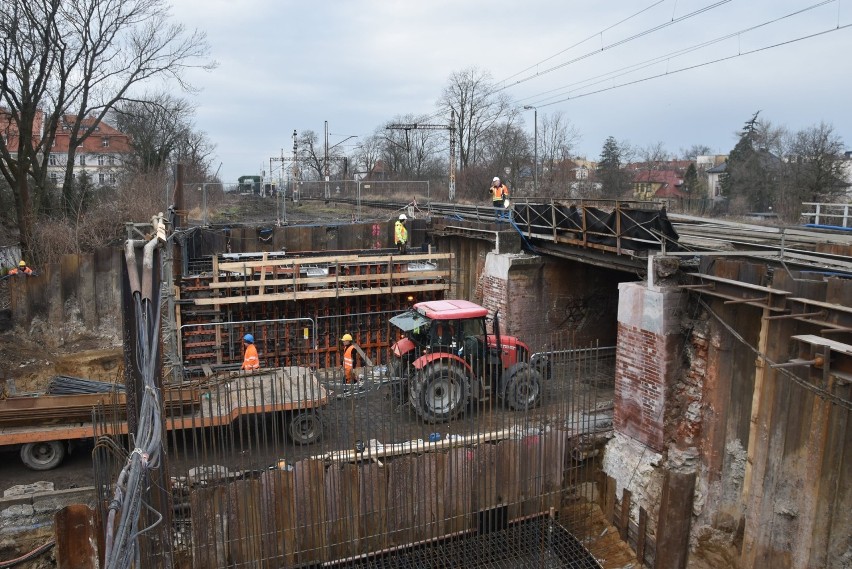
(297, 308)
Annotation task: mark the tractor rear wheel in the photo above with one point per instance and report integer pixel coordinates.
(523, 387)
(440, 392)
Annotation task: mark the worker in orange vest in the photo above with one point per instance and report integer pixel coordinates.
(250, 360)
(499, 193)
(348, 358)
(22, 269)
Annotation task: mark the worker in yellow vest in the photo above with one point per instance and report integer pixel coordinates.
(400, 234)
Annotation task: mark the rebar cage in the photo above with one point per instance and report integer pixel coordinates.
(294, 467)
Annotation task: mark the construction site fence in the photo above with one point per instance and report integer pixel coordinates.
(377, 482)
(419, 191)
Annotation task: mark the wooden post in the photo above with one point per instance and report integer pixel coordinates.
(675, 518)
(625, 514)
(640, 535)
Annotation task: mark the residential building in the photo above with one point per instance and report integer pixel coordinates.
(101, 156)
(651, 184)
(714, 180)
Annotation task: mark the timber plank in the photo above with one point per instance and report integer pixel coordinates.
(310, 512)
(458, 490)
(209, 526)
(400, 506)
(372, 511)
(341, 500)
(278, 504)
(508, 491)
(485, 491)
(244, 523)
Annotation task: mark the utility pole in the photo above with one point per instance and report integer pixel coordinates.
(294, 169)
(450, 127)
(325, 163)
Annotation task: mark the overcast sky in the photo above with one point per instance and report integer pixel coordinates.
(286, 65)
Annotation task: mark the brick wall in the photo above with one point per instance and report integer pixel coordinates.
(648, 356)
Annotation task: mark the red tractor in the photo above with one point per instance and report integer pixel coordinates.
(448, 359)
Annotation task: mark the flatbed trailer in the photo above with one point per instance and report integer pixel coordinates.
(44, 427)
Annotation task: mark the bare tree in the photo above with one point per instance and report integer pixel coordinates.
(556, 138)
(694, 151)
(814, 170)
(504, 147)
(471, 94)
(64, 64)
(369, 152)
(159, 128)
(411, 153)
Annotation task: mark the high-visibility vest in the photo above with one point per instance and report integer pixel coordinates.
(348, 362)
(400, 233)
(498, 193)
(250, 360)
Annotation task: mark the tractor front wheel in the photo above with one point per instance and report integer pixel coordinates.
(440, 392)
(523, 387)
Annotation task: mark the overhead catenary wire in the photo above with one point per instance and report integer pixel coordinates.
(619, 72)
(696, 66)
(617, 43)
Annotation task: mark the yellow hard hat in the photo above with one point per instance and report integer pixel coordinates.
(22, 263)
(346, 338)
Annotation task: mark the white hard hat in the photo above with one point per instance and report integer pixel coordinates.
(496, 179)
(402, 217)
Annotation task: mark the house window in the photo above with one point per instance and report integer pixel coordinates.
(112, 160)
(101, 160)
(101, 178)
(105, 142)
(54, 177)
(82, 160)
(112, 178)
(51, 160)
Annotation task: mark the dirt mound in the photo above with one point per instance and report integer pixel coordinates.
(31, 364)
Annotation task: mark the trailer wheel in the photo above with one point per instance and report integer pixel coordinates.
(44, 455)
(305, 428)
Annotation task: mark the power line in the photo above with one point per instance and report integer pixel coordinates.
(696, 66)
(594, 35)
(617, 43)
(647, 63)
(623, 41)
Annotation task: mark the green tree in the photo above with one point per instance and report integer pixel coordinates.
(614, 179)
(752, 171)
(690, 180)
